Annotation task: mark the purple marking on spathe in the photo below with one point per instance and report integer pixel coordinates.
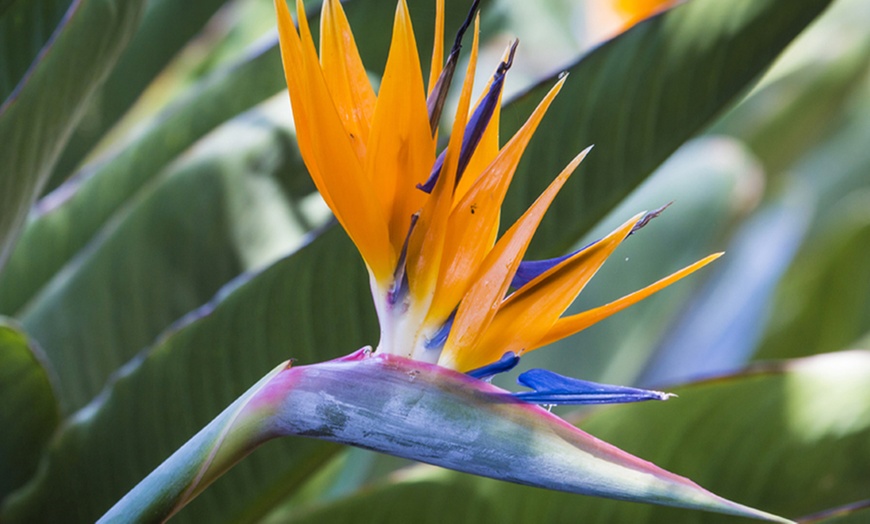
(552, 388)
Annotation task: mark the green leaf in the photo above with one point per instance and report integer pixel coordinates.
(168, 251)
(822, 303)
(640, 96)
(312, 306)
(808, 92)
(25, 28)
(721, 325)
(29, 413)
(35, 120)
(792, 439)
(68, 218)
(166, 27)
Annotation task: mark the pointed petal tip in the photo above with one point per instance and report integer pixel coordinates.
(551, 388)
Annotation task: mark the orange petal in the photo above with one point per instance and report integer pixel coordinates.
(473, 223)
(480, 304)
(633, 11)
(326, 147)
(401, 150)
(568, 326)
(345, 75)
(427, 242)
(525, 316)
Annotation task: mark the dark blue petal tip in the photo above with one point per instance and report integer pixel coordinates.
(507, 362)
(552, 388)
(529, 270)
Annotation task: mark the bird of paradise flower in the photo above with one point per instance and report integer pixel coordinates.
(456, 303)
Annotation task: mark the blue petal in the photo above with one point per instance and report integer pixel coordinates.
(506, 363)
(440, 337)
(552, 388)
(475, 127)
(531, 269)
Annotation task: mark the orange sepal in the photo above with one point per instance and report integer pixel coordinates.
(427, 242)
(568, 326)
(345, 75)
(525, 316)
(480, 304)
(473, 223)
(401, 150)
(326, 147)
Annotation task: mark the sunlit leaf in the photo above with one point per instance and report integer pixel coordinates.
(638, 97)
(35, 121)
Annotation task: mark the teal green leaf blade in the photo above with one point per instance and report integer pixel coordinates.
(148, 266)
(171, 391)
(24, 30)
(29, 413)
(68, 218)
(165, 28)
(793, 113)
(807, 93)
(822, 303)
(792, 438)
(167, 25)
(637, 98)
(4, 5)
(35, 121)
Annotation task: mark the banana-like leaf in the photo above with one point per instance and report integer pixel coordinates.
(67, 219)
(637, 98)
(198, 368)
(37, 118)
(805, 96)
(723, 323)
(166, 27)
(150, 258)
(393, 405)
(24, 30)
(793, 438)
(822, 304)
(29, 412)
